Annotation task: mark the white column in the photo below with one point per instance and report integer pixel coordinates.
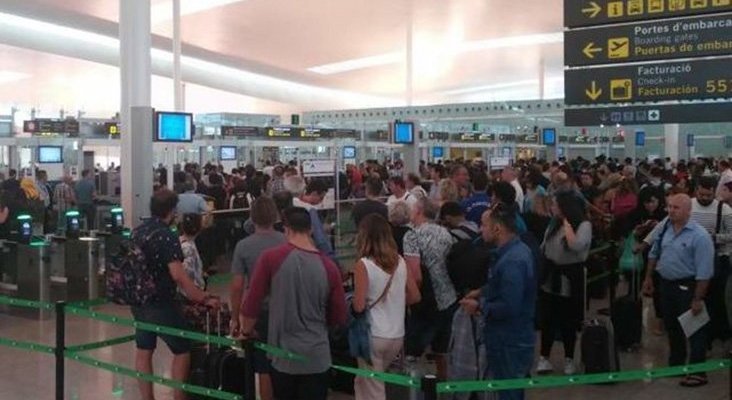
(542, 77)
(177, 76)
(674, 145)
(135, 111)
(630, 147)
(409, 89)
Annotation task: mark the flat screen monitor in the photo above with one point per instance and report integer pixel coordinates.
(173, 127)
(640, 138)
(549, 136)
(349, 152)
(438, 152)
(50, 154)
(404, 132)
(227, 153)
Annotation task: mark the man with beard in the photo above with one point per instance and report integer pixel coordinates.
(706, 210)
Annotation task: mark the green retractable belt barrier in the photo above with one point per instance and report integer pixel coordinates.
(102, 344)
(35, 347)
(556, 381)
(11, 301)
(217, 394)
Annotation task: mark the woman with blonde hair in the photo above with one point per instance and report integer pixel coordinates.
(382, 288)
(449, 192)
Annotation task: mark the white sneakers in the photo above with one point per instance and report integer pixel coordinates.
(544, 366)
(569, 368)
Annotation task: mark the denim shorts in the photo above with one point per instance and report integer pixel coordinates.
(167, 314)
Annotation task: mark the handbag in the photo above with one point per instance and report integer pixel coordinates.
(629, 260)
(359, 329)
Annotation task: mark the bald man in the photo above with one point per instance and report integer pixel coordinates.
(683, 256)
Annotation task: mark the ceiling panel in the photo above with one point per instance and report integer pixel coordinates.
(291, 36)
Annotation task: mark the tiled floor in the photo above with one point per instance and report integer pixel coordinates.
(30, 376)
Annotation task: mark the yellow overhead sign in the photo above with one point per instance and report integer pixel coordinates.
(621, 89)
(618, 48)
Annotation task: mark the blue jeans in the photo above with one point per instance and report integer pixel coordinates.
(509, 361)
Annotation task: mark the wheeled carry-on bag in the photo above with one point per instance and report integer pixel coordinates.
(217, 368)
(597, 344)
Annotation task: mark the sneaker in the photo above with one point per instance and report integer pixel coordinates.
(569, 368)
(544, 366)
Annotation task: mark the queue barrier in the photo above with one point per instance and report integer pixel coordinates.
(427, 384)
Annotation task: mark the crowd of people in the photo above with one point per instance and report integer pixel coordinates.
(45, 201)
(450, 258)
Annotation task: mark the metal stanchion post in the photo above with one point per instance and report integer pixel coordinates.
(60, 349)
(250, 392)
(429, 387)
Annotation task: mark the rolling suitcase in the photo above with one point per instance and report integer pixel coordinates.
(217, 368)
(599, 353)
(597, 344)
(627, 317)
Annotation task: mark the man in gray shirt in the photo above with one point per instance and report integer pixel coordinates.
(306, 298)
(263, 214)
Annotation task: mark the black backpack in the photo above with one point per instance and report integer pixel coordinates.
(468, 261)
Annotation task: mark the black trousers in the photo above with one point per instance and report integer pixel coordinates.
(299, 387)
(559, 316)
(676, 297)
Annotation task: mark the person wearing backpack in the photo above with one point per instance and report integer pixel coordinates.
(467, 262)
(426, 248)
(382, 289)
(164, 257)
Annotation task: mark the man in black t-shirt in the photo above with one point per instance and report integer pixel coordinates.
(371, 205)
(164, 255)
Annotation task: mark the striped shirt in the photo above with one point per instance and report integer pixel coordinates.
(63, 196)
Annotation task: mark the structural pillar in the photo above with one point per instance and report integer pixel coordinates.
(630, 145)
(178, 94)
(674, 145)
(409, 87)
(136, 115)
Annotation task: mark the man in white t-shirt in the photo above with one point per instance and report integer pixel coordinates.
(509, 175)
(399, 192)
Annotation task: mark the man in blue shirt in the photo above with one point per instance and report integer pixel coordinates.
(683, 255)
(190, 202)
(507, 301)
(479, 202)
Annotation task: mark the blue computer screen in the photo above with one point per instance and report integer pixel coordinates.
(640, 139)
(227, 153)
(403, 132)
(549, 136)
(349, 152)
(438, 152)
(174, 127)
(50, 155)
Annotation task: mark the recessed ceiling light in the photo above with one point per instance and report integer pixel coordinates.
(162, 12)
(464, 47)
(357, 63)
(12, 76)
